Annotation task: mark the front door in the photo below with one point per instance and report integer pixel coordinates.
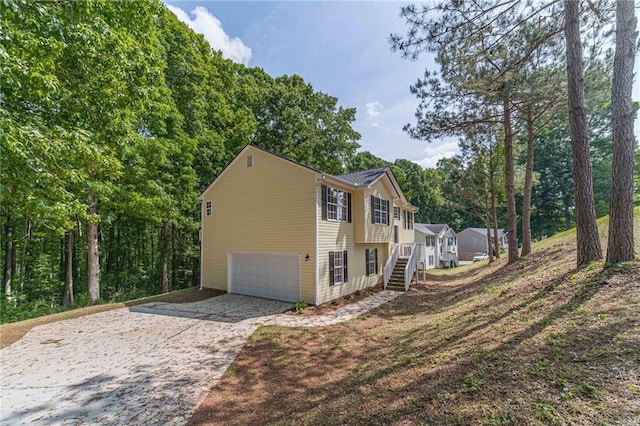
(396, 238)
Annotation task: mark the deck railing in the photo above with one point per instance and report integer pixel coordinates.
(391, 262)
(412, 264)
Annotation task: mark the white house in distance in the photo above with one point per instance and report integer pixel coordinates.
(474, 240)
(441, 245)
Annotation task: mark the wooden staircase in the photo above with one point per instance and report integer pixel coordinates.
(396, 282)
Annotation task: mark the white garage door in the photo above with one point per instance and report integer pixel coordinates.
(272, 276)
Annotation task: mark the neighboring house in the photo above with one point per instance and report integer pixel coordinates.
(441, 245)
(474, 240)
(276, 229)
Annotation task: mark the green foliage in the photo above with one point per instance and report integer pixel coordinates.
(114, 112)
(300, 306)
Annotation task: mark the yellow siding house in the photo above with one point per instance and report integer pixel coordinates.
(276, 229)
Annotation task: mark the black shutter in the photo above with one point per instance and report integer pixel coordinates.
(387, 203)
(332, 278)
(344, 263)
(376, 254)
(373, 217)
(324, 202)
(366, 262)
(349, 207)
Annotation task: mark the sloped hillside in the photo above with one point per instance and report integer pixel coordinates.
(531, 343)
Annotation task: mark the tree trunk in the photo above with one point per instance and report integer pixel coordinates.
(8, 256)
(487, 224)
(108, 268)
(588, 241)
(512, 220)
(566, 209)
(164, 255)
(494, 211)
(67, 296)
(93, 257)
(14, 258)
(528, 184)
(174, 256)
(620, 244)
(25, 252)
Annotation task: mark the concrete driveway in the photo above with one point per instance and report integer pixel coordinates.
(149, 364)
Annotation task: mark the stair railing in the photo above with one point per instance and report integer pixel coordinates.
(412, 264)
(391, 262)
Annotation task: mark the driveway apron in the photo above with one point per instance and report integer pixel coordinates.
(148, 364)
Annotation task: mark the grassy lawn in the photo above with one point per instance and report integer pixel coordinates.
(536, 342)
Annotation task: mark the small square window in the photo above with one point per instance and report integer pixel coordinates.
(209, 208)
(249, 161)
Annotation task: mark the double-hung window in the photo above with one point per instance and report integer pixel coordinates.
(379, 211)
(396, 212)
(336, 204)
(371, 261)
(208, 207)
(408, 219)
(338, 267)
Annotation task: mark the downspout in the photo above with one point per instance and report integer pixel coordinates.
(315, 243)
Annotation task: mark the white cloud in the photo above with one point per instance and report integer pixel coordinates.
(373, 109)
(438, 150)
(205, 23)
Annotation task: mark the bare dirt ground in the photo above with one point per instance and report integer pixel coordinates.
(535, 342)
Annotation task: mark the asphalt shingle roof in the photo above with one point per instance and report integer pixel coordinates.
(435, 228)
(421, 227)
(365, 177)
(483, 231)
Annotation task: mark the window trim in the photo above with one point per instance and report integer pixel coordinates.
(343, 267)
(208, 208)
(379, 212)
(345, 207)
(408, 219)
(371, 262)
(396, 209)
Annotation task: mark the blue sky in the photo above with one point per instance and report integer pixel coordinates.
(340, 48)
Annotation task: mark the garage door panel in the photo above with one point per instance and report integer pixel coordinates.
(268, 275)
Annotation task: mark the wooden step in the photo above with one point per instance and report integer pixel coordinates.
(395, 287)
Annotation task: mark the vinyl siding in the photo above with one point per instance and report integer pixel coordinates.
(359, 203)
(378, 233)
(470, 241)
(429, 250)
(340, 236)
(407, 236)
(266, 208)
